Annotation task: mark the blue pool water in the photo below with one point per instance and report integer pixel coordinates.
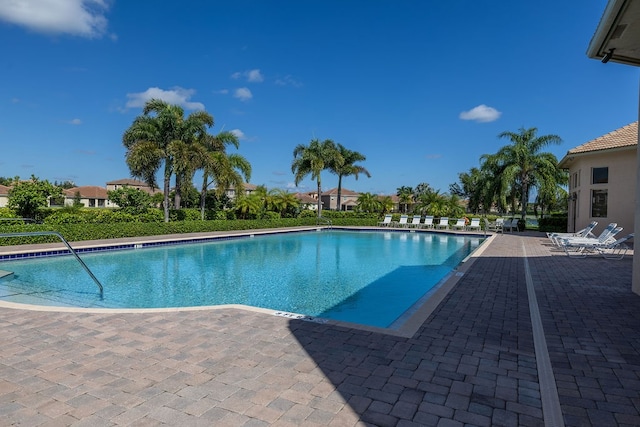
(370, 278)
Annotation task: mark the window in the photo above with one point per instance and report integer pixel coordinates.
(600, 175)
(598, 203)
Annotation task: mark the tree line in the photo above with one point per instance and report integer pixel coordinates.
(162, 141)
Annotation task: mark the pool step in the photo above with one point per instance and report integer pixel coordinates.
(4, 273)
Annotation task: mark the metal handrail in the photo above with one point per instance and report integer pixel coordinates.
(327, 221)
(55, 233)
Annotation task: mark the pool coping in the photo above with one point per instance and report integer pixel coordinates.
(419, 313)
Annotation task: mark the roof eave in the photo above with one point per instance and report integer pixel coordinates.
(602, 45)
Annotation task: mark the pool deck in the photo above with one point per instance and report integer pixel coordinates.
(526, 336)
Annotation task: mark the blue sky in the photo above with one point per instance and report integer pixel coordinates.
(421, 88)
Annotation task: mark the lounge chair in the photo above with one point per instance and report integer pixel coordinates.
(415, 221)
(510, 224)
(460, 224)
(605, 237)
(443, 224)
(615, 250)
(579, 247)
(493, 225)
(585, 232)
(386, 221)
(403, 221)
(428, 221)
(474, 225)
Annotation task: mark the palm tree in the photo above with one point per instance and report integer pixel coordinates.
(225, 170)
(523, 166)
(347, 167)
(283, 201)
(311, 160)
(405, 195)
(158, 137)
(368, 202)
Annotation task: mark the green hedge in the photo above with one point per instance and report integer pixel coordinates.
(553, 224)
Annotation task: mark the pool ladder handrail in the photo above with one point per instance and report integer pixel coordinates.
(55, 233)
(324, 220)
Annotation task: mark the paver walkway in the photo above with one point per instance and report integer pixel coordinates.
(473, 362)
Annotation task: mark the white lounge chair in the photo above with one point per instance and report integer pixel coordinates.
(474, 225)
(443, 224)
(415, 221)
(615, 250)
(585, 232)
(460, 224)
(403, 221)
(386, 221)
(510, 224)
(579, 247)
(428, 221)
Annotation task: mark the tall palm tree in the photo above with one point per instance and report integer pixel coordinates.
(158, 137)
(405, 195)
(523, 165)
(347, 167)
(225, 170)
(311, 160)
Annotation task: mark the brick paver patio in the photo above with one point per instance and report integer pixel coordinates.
(473, 362)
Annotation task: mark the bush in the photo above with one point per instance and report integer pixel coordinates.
(556, 223)
(270, 215)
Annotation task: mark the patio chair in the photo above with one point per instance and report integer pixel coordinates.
(443, 224)
(615, 250)
(510, 224)
(460, 224)
(386, 221)
(585, 232)
(403, 220)
(428, 222)
(579, 247)
(474, 225)
(415, 221)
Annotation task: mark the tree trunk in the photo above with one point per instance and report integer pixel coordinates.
(178, 196)
(203, 195)
(339, 192)
(319, 200)
(167, 184)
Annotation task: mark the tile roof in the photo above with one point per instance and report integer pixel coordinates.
(626, 136)
(345, 192)
(4, 189)
(128, 181)
(87, 192)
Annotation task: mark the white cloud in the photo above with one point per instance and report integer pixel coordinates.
(75, 122)
(177, 95)
(288, 81)
(76, 17)
(252, 76)
(238, 133)
(481, 114)
(243, 94)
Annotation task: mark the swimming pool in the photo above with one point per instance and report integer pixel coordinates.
(363, 277)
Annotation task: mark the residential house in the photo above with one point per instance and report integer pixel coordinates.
(602, 180)
(4, 195)
(133, 183)
(89, 196)
(348, 199)
(231, 192)
(617, 39)
(307, 201)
